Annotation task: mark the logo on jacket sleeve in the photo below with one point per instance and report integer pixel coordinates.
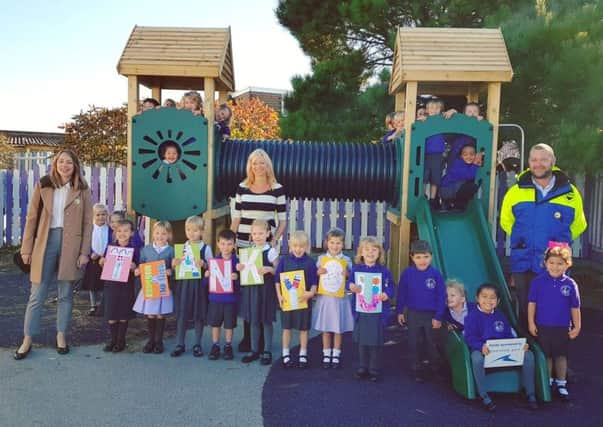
(430, 283)
(565, 290)
(499, 326)
(557, 215)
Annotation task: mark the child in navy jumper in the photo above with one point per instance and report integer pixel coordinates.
(458, 186)
(435, 146)
(458, 307)
(554, 313)
(223, 306)
(471, 110)
(223, 116)
(369, 327)
(486, 323)
(300, 319)
(422, 292)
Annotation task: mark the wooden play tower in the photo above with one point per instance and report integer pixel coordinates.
(443, 62)
(182, 59)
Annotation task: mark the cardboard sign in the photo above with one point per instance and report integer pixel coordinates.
(153, 279)
(367, 300)
(293, 286)
(332, 283)
(505, 352)
(188, 268)
(117, 264)
(252, 259)
(220, 280)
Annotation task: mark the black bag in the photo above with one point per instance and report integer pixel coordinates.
(17, 258)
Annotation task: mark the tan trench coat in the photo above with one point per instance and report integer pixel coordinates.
(77, 230)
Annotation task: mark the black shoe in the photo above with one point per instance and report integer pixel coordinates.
(373, 377)
(197, 351)
(303, 361)
(361, 374)
(287, 362)
(227, 353)
(21, 356)
(158, 349)
(178, 351)
(62, 350)
(489, 405)
(562, 392)
(149, 346)
(266, 358)
(326, 362)
(251, 357)
(92, 312)
(335, 362)
(214, 353)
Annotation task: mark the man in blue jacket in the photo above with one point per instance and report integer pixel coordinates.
(542, 206)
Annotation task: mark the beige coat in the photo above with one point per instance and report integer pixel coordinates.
(77, 230)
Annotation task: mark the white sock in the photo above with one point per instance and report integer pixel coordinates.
(285, 352)
(336, 352)
(303, 352)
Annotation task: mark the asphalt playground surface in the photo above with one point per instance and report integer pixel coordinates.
(88, 387)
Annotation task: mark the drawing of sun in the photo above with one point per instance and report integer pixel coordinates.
(173, 151)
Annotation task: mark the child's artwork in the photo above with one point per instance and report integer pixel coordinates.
(293, 286)
(188, 268)
(333, 281)
(117, 264)
(505, 352)
(367, 300)
(153, 280)
(252, 259)
(220, 280)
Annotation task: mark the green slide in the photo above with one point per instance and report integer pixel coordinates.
(463, 249)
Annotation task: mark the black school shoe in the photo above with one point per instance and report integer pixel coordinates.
(227, 353)
(178, 351)
(214, 353)
(303, 362)
(266, 358)
(251, 357)
(361, 374)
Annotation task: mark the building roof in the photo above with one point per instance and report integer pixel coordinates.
(449, 55)
(24, 139)
(255, 89)
(178, 57)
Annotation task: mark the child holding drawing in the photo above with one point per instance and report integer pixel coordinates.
(258, 300)
(223, 305)
(156, 309)
(485, 323)
(190, 295)
(332, 315)
(373, 286)
(290, 295)
(119, 296)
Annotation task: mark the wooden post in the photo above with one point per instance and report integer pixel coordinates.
(133, 94)
(156, 93)
(400, 100)
(222, 97)
(493, 117)
(208, 110)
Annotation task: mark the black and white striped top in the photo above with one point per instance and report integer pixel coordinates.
(270, 206)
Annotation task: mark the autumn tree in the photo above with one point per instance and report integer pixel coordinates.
(253, 119)
(99, 135)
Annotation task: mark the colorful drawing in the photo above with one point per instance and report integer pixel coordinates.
(188, 268)
(333, 281)
(153, 279)
(220, 280)
(117, 264)
(367, 300)
(252, 259)
(293, 286)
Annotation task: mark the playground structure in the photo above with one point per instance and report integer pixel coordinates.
(469, 62)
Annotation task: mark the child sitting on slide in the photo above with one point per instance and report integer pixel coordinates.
(486, 323)
(458, 185)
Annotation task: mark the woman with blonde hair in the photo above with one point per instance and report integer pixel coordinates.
(56, 242)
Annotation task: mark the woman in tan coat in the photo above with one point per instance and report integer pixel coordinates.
(60, 216)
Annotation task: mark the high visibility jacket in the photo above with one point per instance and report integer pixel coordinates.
(532, 220)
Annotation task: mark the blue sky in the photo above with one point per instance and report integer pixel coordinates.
(60, 56)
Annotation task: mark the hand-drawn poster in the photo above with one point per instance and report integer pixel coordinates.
(220, 280)
(188, 268)
(367, 300)
(153, 279)
(505, 352)
(293, 286)
(252, 259)
(333, 281)
(117, 264)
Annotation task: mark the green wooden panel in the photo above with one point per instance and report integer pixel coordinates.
(182, 183)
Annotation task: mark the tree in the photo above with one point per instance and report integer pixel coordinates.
(7, 153)
(99, 135)
(253, 119)
(556, 91)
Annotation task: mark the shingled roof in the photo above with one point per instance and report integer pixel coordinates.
(179, 58)
(24, 139)
(449, 55)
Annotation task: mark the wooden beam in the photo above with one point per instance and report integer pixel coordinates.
(222, 97)
(208, 110)
(133, 95)
(459, 75)
(400, 101)
(493, 117)
(156, 92)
